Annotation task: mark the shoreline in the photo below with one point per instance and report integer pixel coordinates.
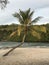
(26, 47)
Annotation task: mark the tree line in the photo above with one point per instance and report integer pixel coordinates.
(6, 30)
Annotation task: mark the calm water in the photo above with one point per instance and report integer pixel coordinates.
(12, 44)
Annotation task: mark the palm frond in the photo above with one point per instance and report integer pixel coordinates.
(22, 13)
(43, 29)
(35, 20)
(12, 34)
(27, 13)
(35, 34)
(30, 15)
(35, 29)
(17, 15)
(19, 30)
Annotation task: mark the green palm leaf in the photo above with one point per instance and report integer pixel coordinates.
(18, 16)
(30, 15)
(12, 34)
(35, 20)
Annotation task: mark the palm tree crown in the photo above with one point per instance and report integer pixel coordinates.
(25, 19)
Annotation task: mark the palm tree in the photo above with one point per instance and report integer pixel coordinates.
(25, 19)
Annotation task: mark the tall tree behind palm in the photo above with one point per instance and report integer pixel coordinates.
(25, 19)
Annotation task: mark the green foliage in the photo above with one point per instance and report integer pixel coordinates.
(6, 30)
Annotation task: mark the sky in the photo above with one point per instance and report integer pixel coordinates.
(41, 8)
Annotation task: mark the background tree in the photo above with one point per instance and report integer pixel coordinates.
(3, 3)
(25, 19)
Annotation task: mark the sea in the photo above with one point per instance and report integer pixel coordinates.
(13, 44)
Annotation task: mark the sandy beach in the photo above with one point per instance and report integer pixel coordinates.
(25, 56)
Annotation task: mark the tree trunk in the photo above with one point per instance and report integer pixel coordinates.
(15, 46)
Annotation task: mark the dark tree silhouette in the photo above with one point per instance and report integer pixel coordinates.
(3, 3)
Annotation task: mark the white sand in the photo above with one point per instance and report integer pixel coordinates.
(25, 56)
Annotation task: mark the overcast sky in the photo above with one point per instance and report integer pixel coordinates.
(41, 8)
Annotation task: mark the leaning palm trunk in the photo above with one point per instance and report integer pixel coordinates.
(15, 46)
(24, 18)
